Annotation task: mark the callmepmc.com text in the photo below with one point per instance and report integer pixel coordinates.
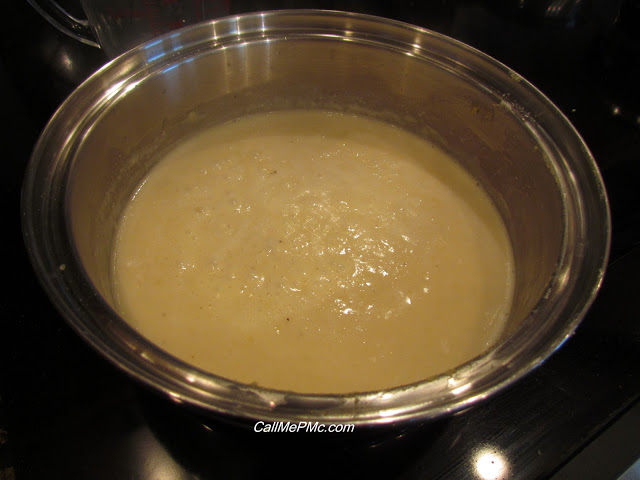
(307, 427)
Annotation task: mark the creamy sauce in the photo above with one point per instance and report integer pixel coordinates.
(314, 252)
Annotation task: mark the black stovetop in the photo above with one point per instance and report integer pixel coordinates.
(67, 413)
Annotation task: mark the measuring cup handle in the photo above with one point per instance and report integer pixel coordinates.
(65, 22)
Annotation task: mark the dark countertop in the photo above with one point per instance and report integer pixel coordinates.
(67, 413)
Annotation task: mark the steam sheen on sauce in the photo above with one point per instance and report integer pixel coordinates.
(316, 252)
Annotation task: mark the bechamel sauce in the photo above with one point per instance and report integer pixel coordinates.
(314, 252)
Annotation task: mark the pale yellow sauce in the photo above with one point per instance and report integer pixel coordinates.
(314, 252)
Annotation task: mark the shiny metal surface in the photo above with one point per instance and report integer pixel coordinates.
(518, 145)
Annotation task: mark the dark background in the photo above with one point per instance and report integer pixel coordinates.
(67, 413)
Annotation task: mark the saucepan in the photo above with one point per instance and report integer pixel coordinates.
(521, 148)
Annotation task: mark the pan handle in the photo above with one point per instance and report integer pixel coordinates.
(65, 22)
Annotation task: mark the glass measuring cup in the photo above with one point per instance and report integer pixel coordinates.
(118, 25)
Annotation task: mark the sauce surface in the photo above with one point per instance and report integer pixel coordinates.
(316, 252)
